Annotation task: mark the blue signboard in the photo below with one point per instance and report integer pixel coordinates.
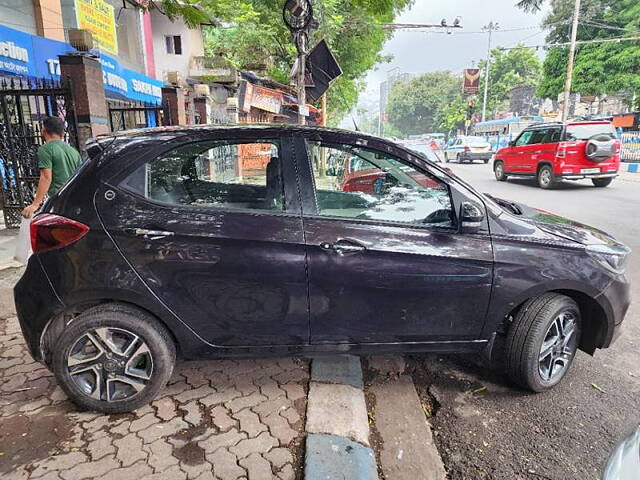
(33, 56)
(16, 52)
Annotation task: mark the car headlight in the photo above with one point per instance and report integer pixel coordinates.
(613, 258)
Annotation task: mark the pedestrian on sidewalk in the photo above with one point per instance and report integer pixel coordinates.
(57, 160)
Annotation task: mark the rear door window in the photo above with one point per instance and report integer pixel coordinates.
(538, 136)
(224, 175)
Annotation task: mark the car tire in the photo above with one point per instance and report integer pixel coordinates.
(113, 358)
(542, 341)
(486, 160)
(545, 178)
(498, 170)
(601, 182)
(458, 158)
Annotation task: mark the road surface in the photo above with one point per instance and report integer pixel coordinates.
(501, 432)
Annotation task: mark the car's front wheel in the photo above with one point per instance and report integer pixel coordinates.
(542, 341)
(602, 182)
(113, 358)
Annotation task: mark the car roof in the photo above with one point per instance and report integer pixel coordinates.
(185, 129)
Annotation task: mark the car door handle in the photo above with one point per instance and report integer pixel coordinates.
(152, 234)
(342, 247)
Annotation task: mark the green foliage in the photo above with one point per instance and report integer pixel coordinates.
(600, 68)
(530, 5)
(254, 37)
(419, 106)
(509, 69)
(186, 9)
(455, 114)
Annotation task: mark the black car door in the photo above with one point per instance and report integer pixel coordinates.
(213, 228)
(386, 262)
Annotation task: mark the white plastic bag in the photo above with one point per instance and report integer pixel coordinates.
(23, 247)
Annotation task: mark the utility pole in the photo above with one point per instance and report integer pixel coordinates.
(490, 28)
(302, 93)
(572, 56)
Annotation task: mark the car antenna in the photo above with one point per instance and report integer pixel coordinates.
(355, 125)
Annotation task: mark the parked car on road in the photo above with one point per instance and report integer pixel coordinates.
(231, 241)
(554, 152)
(468, 149)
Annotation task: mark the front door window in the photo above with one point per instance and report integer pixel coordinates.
(377, 186)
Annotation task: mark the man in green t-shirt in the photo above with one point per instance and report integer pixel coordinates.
(57, 161)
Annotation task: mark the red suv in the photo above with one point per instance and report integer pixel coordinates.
(553, 152)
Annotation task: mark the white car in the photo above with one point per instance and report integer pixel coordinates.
(468, 149)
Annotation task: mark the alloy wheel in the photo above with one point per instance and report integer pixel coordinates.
(558, 347)
(499, 171)
(545, 177)
(110, 364)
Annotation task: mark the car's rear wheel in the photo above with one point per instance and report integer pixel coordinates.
(602, 182)
(546, 178)
(486, 160)
(113, 358)
(542, 341)
(458, 158)
(498, 170)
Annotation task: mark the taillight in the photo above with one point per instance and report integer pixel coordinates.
(467, 149)
(562, 150)
(49, 232)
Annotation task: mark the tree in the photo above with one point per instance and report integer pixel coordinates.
(600, 68)
(530, 5)
(254, 34)
(455, 114)
(188, 10)
(419, 106)
(509, 69)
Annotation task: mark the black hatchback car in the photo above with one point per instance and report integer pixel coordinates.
(236, 241)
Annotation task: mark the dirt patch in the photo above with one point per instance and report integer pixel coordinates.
(26, 439)
(297, 446)
(190, 454)
(371, 377)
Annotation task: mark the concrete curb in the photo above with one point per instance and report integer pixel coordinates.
(337, 444)
(630, 167)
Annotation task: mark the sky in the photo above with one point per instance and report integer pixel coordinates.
(427, 51)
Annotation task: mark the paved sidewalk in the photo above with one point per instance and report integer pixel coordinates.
(215, 420)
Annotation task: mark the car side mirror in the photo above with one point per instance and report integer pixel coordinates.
(512, 143)
(471, 217)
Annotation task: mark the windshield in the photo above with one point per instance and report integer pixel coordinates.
(587, 130)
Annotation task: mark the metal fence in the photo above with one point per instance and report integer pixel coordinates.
(630, 146)
(126, 115)
(24, 103)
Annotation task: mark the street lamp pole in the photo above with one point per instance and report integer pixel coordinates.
(572, 56)
(491, 27)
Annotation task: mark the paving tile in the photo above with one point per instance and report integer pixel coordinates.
(225, 465)
(261, 444)
(257, 467)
